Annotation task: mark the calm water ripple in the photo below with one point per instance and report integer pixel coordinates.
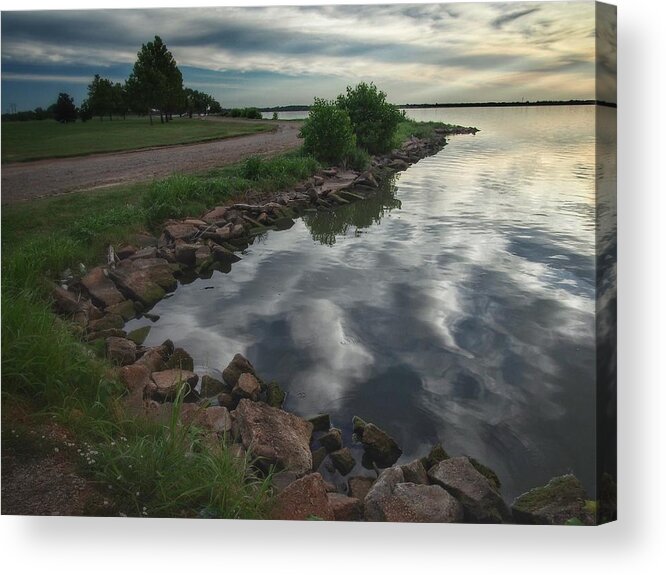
(456, 306)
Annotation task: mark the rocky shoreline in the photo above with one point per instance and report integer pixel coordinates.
(246, 412)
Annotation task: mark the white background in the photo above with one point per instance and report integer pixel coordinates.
(633, 544)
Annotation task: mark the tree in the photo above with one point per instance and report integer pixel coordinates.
(64, 110)
(156, 82)
(375, 121)
(327, 133)
(100, 97)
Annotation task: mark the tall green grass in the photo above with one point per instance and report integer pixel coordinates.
(172, 471)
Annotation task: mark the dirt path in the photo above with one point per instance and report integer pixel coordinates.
(25, 181)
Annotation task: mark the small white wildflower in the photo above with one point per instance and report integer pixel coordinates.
(137, 493)
(56, 449)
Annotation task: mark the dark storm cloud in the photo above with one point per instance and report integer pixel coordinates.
(511, 16)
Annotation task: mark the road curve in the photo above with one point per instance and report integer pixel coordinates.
(25, 181)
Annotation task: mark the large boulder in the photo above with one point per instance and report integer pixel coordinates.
(247, 387)
(414, 472)
(144, 280)
(305, 498)
(482, 503)
(358, 486)
(215, 419)
(412, 503)
(436, 455)
(211, 386)
(343, 460)
(561, 500)
(237, 366)
(345, 508)
(101, 289)
(321, 422)
(379, 446)
(332, 440)
(180, 231)
(380, 492)
(120, 351)
(278, 437)
(180, 359)
(168, 383)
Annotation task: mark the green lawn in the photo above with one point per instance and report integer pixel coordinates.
(23, 141)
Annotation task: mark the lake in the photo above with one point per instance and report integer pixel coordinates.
(457, 305)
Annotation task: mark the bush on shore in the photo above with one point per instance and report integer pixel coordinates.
(374, 120)
(327, 133)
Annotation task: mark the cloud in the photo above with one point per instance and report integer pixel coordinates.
(418, 52)
(511, 16)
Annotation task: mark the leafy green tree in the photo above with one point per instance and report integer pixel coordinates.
(119, 99)
(374, 120)
(85, 113)
(101, 97)
(156, 82)
(327, 133)
(64, 110)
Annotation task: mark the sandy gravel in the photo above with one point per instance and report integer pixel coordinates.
(24, 181)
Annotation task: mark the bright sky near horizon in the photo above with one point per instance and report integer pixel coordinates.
(281, 55)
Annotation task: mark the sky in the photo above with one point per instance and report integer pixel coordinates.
(282, 55)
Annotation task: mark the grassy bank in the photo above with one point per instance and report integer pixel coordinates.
(23, 141)
(48, 371)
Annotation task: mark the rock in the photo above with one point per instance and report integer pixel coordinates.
(227, 400)
(237, 366)
(138, 283)
(560, 500)
(359, 426)
(124, 309)
(144, 253)
(95, 335)
(223, 255)
(247, 387)
(318, 456)
(412, 503)
(380, 446)
(436, 455)
(186, 254)
(380, 492)
(69, 304)
(215, 419)
(481, 502)
(168, 383)
(180, 359)
(155, 358)
(345, 508)
(180, 231)
(305, 498)
(283, 479)
(195, 222)
(124, 252)
(332, 440)
(320, 422)
(108, 321)
(139, 335)
(201, 255)
(358, 486)
(101, 289)
(215, 215)
(120, 351)
(159, 270)
(414, 472)
(275, 395)
(135, 378)
(488, 473)
(211, 387)
(343, 460)
(318, 180)
(279, 437)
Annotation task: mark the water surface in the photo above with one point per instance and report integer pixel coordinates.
(457, 305)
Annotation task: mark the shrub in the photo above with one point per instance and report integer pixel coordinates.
(374, 120)
(358, 159)
(327, 133)
(252, 113)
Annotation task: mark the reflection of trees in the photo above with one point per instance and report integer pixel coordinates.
(326, 226)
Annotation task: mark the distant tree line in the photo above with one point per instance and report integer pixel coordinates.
(155, 86)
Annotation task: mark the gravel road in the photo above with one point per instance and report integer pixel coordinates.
(28, 180)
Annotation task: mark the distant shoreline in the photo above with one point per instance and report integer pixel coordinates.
(303, 108)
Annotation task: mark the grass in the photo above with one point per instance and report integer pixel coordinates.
(41, 139)
(409, 128)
